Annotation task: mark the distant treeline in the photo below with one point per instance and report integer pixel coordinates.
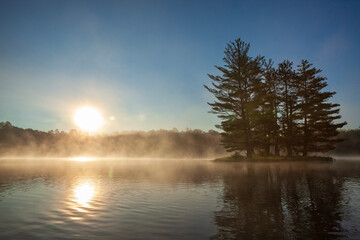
(350, 145)
(19, 142)
(196, 143)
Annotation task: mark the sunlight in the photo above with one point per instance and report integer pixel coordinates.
(82, 159)
(88, 119)
(84, 193)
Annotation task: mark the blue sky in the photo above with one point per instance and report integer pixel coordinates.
(145, 62)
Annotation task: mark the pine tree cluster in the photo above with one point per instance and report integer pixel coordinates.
(272, 110)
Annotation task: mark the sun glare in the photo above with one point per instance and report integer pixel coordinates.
(88, 119)
(82, 159)
(84, 193)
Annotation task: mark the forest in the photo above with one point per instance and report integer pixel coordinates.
(19, 142)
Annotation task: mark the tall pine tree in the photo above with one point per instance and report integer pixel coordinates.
(270, 108)
(318, 126)
(289, 108)
(236, 93)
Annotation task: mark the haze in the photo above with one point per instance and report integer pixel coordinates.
(143, 63)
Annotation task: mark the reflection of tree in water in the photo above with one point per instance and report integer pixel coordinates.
(277, 202)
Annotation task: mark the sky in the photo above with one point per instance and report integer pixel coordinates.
(144, 63)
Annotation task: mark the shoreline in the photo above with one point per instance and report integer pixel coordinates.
(238, 158)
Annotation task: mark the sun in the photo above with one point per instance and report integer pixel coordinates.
(88, 119)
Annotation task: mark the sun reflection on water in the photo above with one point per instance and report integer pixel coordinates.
(84, 194)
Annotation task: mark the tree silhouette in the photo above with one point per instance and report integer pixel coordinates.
(289, 105)
(235, 91)
(263, 109)
(319, 130)
(269, 105)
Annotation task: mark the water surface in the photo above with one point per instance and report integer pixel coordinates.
(178, 199)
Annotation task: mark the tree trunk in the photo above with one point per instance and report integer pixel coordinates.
(248, 145)
(305, 143)
(267, 149)
(249, 153)
(289, 150)
(277, 152)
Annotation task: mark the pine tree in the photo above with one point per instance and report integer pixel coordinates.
(270, 108)
(318, 127)
(289, 108)
(264, 108)
(236, 93)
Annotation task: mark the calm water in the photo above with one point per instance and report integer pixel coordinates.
(153, 199)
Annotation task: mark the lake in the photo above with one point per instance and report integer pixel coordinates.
(178, 199)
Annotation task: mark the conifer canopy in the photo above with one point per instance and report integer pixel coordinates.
(269, 111)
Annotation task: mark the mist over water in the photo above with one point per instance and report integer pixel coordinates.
(18, 142)
(177, 199)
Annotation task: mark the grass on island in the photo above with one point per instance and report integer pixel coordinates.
(236, 157)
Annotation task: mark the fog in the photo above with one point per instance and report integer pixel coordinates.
(18, 142)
